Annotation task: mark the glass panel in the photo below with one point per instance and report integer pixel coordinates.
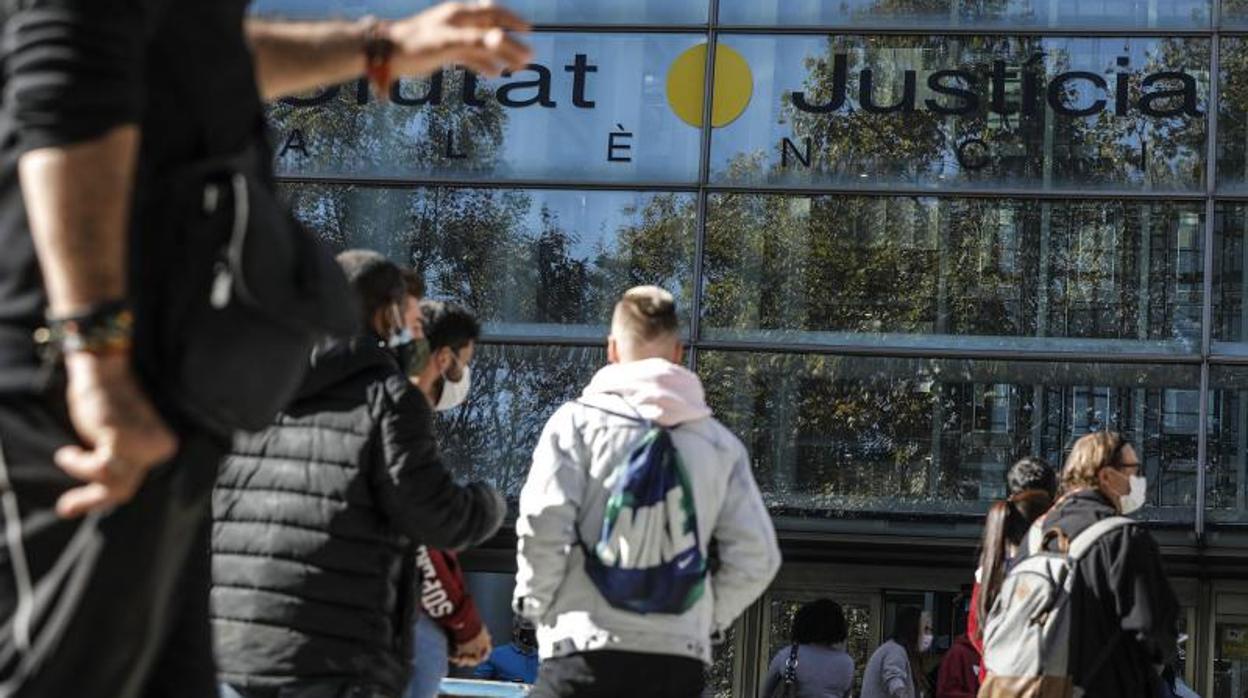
(1230, 659)
(783, 607)
(1072, 14)
(948, 111)
(1227, 477)
(1234, 14)
(1230, 269)
(1233, 115)
(841, 436)
(591, 107)
(529, 262)
(514, 391)
(954, 273)
(539, 11)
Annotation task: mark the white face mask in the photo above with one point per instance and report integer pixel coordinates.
(1134, 499)
(925, 642)
(454, 393)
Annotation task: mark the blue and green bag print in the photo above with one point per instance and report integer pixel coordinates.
(649, 558)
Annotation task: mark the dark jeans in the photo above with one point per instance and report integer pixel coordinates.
(624, 674)
(112, 606)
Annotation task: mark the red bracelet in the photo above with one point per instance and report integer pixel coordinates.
(378, 51)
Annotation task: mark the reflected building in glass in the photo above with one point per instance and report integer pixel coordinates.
(913, 241)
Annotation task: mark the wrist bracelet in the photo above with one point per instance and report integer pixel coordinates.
(104, 328)
(378, 52)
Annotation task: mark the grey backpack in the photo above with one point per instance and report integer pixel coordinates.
(1027, 634)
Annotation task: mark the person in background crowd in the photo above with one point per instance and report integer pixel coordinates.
(516, 661)
(1173, 685)
(895, 669)
(452, 331)
(1172, 677)
(1124, 612)
(824, 669)
(1030, 486)
(959, 670)
(96, 113)
(450, 616)
(590, 646)
(313, 567)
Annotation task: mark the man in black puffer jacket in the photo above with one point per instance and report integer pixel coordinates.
(315, 519)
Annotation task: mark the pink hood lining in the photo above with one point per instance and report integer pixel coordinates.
(661, 391)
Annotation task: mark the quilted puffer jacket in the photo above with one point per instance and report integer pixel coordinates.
(316, 520)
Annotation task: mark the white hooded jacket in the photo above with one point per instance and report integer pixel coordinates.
(566, 493)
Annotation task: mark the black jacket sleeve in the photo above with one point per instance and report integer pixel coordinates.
(1146, 603)
(73, 69)
(415, 488)
(1128, 580)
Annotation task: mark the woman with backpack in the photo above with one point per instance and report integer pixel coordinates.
(1031, 486)
(816, 665)
(895, 670)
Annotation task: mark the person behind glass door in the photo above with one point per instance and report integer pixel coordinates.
(895, 670)
(1031, 486)
(959, 670)
(824, 669)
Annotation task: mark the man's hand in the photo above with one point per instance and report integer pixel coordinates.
(295, 56)
(474, 36)
(124, 435)
(475, 651)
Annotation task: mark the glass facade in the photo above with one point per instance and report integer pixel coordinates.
(974, 111)
(913, 241)
(1031, 14)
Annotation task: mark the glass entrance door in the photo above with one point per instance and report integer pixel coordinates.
(862, 613)
(1230, 657)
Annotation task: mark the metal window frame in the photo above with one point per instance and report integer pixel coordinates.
(703, 188)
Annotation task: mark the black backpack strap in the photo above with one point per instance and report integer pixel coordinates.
(1088, 537)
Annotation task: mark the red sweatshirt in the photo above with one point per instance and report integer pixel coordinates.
(444, 596)
(959, 671)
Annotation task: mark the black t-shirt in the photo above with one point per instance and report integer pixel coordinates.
(75, 69)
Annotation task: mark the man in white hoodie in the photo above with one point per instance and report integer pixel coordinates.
(590, 646)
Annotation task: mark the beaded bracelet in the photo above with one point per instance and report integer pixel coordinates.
(104, 328)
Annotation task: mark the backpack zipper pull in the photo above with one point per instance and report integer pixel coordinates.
(222, 285)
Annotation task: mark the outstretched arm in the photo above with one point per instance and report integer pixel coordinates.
(292, 57)
(414, 486)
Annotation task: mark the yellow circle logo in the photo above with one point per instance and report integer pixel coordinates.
(686, 83)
